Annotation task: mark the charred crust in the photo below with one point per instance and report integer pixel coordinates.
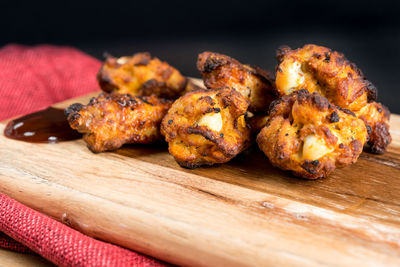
(310, 166)
(327, 57)
(330, 137)
(334, 117)
(145, 100)
(73, 117)
(284, 151)
(208, 99)
(93, 100)
(217, 69)
(286, 102)
(207, 134)
(116, 75)
(369, 129)
(153, 86)
(226, 101)
(142, 123)
(317, 55)
(314, 162)
(319, 101)
(353, 66)
(212, 63)
(192, 165)
(111, 109)
(74, 108)
(349, 112)
(357, 146)
(212, 137)
(208, 110)
(372, 91)
(125, 100)
(302, 92)
(235, 125)
(273, 105)
(379, 138)
(281, 52)
(340, 59)
(150, 84)
(105, 81)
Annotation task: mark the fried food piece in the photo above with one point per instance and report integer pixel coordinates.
(141, 75)
(255, 84)
(111, 120)
(311, 137)
(318, 69)
(204, 127)
(376, 116)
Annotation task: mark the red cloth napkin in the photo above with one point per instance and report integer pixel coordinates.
(32, 78)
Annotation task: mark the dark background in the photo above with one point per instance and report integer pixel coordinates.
(367, 32)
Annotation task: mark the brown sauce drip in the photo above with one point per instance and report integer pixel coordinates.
(45, 126)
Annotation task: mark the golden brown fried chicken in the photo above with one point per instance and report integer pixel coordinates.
(318, 69)
(253, 83)
(204, 127)
(141, 75)
(311, 137)
(376, 117)
(111, 120)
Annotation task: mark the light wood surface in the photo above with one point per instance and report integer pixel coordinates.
(242, 213)
(14, 259)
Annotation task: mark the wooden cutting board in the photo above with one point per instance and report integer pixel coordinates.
(245, 212)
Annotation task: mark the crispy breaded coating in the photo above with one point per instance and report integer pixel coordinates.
(318, 69)
(311, 137)
(141, 75)
(376, 116)
(255, 84)
(204, 127)
(111, 120)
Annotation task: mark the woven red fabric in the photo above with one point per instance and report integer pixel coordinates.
(32, 78)
(61, 244)
(11, 244)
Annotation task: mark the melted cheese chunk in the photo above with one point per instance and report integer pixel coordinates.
(212, 121)
(292, 78)
(122, 60)
(314, 148)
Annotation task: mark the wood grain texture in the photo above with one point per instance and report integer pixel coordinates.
(14, 259)
(241, 213)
